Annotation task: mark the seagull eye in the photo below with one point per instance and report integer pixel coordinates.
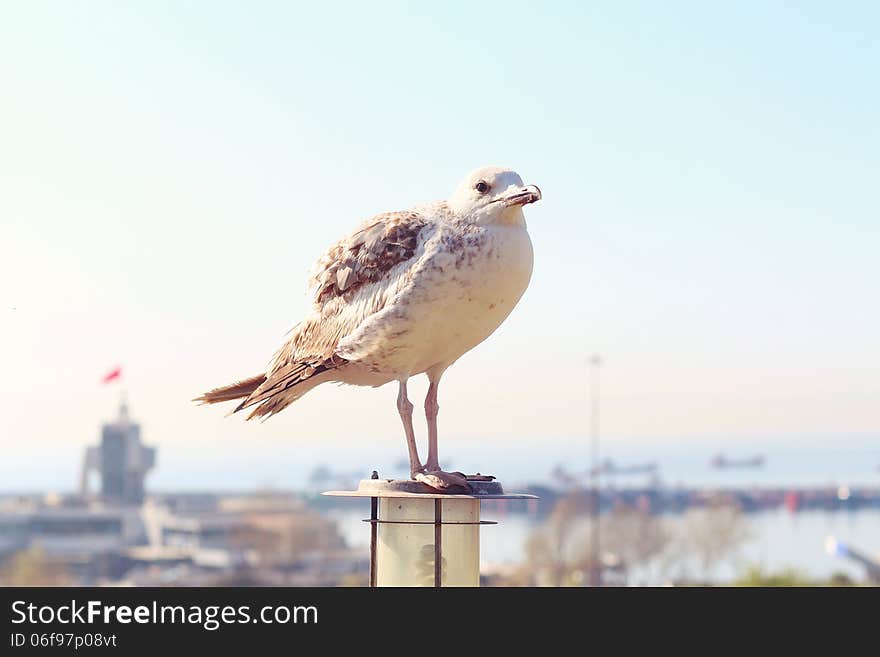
(482, 187)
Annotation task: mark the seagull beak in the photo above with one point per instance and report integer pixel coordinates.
(522, 196)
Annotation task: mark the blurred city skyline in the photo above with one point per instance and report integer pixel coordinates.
(169, 173)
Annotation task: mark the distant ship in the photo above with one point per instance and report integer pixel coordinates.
(609, 467)
(721, 461)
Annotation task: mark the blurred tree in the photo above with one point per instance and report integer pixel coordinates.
(633, 536)
(712, 534)
(755, 576)
(559, 552)
(33, 567)
(553, 556)
(841, 579)
(355, 580)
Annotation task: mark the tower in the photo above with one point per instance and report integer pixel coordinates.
(121, 460)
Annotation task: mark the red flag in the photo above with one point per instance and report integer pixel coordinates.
(112, 375)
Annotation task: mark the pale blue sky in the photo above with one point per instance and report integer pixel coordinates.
(711, 219)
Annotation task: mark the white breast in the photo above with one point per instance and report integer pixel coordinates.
(488, 279)
(465, 290)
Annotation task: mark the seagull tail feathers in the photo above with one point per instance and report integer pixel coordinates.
(283, 387)
(273, 393)
(235, 390)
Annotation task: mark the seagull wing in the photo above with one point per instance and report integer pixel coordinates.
(356, 278)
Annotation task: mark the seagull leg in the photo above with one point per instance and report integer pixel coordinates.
(432, 409)
(405, 408)
(434, 476)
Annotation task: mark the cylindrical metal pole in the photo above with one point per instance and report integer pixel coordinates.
(438, 542)
(374, 531)
(595, 550)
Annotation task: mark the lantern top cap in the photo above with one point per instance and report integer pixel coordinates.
(482, 488)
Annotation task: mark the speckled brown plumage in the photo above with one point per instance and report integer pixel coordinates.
(383, 243)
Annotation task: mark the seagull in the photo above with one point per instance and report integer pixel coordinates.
(407, 293)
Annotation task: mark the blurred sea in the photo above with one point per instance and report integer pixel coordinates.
(777, 540)
(794, 461)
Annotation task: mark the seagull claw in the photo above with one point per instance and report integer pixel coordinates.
(443, 481)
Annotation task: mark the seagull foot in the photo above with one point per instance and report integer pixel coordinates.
(445, 482)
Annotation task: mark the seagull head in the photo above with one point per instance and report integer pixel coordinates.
(493, 195)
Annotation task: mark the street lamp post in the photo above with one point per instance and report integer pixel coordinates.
(595, 363)
(422, 537)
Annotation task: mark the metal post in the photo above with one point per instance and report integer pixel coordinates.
(374, 531)
(438, 541)
(596, 553)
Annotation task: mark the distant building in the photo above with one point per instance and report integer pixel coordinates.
(187, 539)
(121, 460)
